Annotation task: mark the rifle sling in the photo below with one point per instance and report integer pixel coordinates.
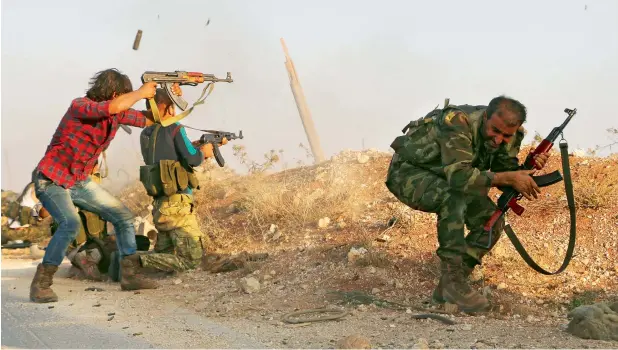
(200, 100)
(152, 144)
(568, 187)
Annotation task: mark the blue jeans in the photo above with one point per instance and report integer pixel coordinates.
(88, 195)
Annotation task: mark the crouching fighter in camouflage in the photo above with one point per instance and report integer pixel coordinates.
(169, 178)
(446, 164)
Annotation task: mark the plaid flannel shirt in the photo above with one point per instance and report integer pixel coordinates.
(84, 132)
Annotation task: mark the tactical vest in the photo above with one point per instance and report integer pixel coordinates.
(167, 177)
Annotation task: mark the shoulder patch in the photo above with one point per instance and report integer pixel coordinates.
(455, 116)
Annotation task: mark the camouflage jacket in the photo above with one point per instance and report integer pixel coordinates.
(448, 142)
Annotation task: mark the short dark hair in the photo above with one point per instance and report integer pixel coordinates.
(105, 83)
(501, 103)
(161, 98)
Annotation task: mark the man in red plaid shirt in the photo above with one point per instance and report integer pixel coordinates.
(62, 177)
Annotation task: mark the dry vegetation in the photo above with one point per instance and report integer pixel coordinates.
(309, 218)
(343, 203)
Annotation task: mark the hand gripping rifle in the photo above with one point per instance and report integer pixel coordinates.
(215, 137)
(167, 79)
(509, 197)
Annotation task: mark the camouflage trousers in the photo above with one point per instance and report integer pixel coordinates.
(423, 190)
(178, 246)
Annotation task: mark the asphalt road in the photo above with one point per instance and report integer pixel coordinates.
(71, 323)
(29, 325)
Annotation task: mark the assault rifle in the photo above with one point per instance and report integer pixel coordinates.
(167, 79)
(215, 137)
(510, 196)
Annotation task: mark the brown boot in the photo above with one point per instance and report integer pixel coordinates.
(456, 290)
(130, 278)
(438, 295)
(40, 291)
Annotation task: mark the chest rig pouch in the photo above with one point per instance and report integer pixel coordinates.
(167, 177)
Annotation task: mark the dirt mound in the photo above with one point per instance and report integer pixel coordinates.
(329, 228)
(343, 203)
(333, 231)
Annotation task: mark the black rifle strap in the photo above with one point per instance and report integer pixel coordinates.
(153, 143)
(568, 187)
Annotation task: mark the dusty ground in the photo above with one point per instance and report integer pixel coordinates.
(285, 214)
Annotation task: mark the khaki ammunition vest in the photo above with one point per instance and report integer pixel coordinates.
(167, 177)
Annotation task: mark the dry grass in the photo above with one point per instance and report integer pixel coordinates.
(237, 212)
(296, 200)
(374, 258)
(595, 181)
(233, 208)
(599, 189)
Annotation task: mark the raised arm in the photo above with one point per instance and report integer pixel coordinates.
(132, 117)
(125, 101)
(84, 108)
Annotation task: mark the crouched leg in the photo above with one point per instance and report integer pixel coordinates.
(425, 191)
(179, 243)
(479, 242)
(183, 253)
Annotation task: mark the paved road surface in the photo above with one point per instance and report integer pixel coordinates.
(72, 324)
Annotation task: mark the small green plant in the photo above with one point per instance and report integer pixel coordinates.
(270, 159)
(586, 298)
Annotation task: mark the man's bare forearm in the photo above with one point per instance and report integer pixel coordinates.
(124, 102)
(501, 179)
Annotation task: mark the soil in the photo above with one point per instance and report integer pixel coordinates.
(310, 265)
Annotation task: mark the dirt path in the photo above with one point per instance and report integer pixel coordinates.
(109, 318)
(203, 310)
(258, 315)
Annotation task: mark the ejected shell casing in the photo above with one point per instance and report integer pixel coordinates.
(138, 38)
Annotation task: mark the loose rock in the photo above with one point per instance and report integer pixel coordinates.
(597, 321)
(421, 343)
(356, 253)
(354, 341)
(324, 222)
(249, 284)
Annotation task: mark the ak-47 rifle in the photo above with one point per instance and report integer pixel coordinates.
(215, 137)
(167, 79)
(510, 196)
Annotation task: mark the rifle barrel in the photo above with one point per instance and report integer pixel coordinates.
(571, 113)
